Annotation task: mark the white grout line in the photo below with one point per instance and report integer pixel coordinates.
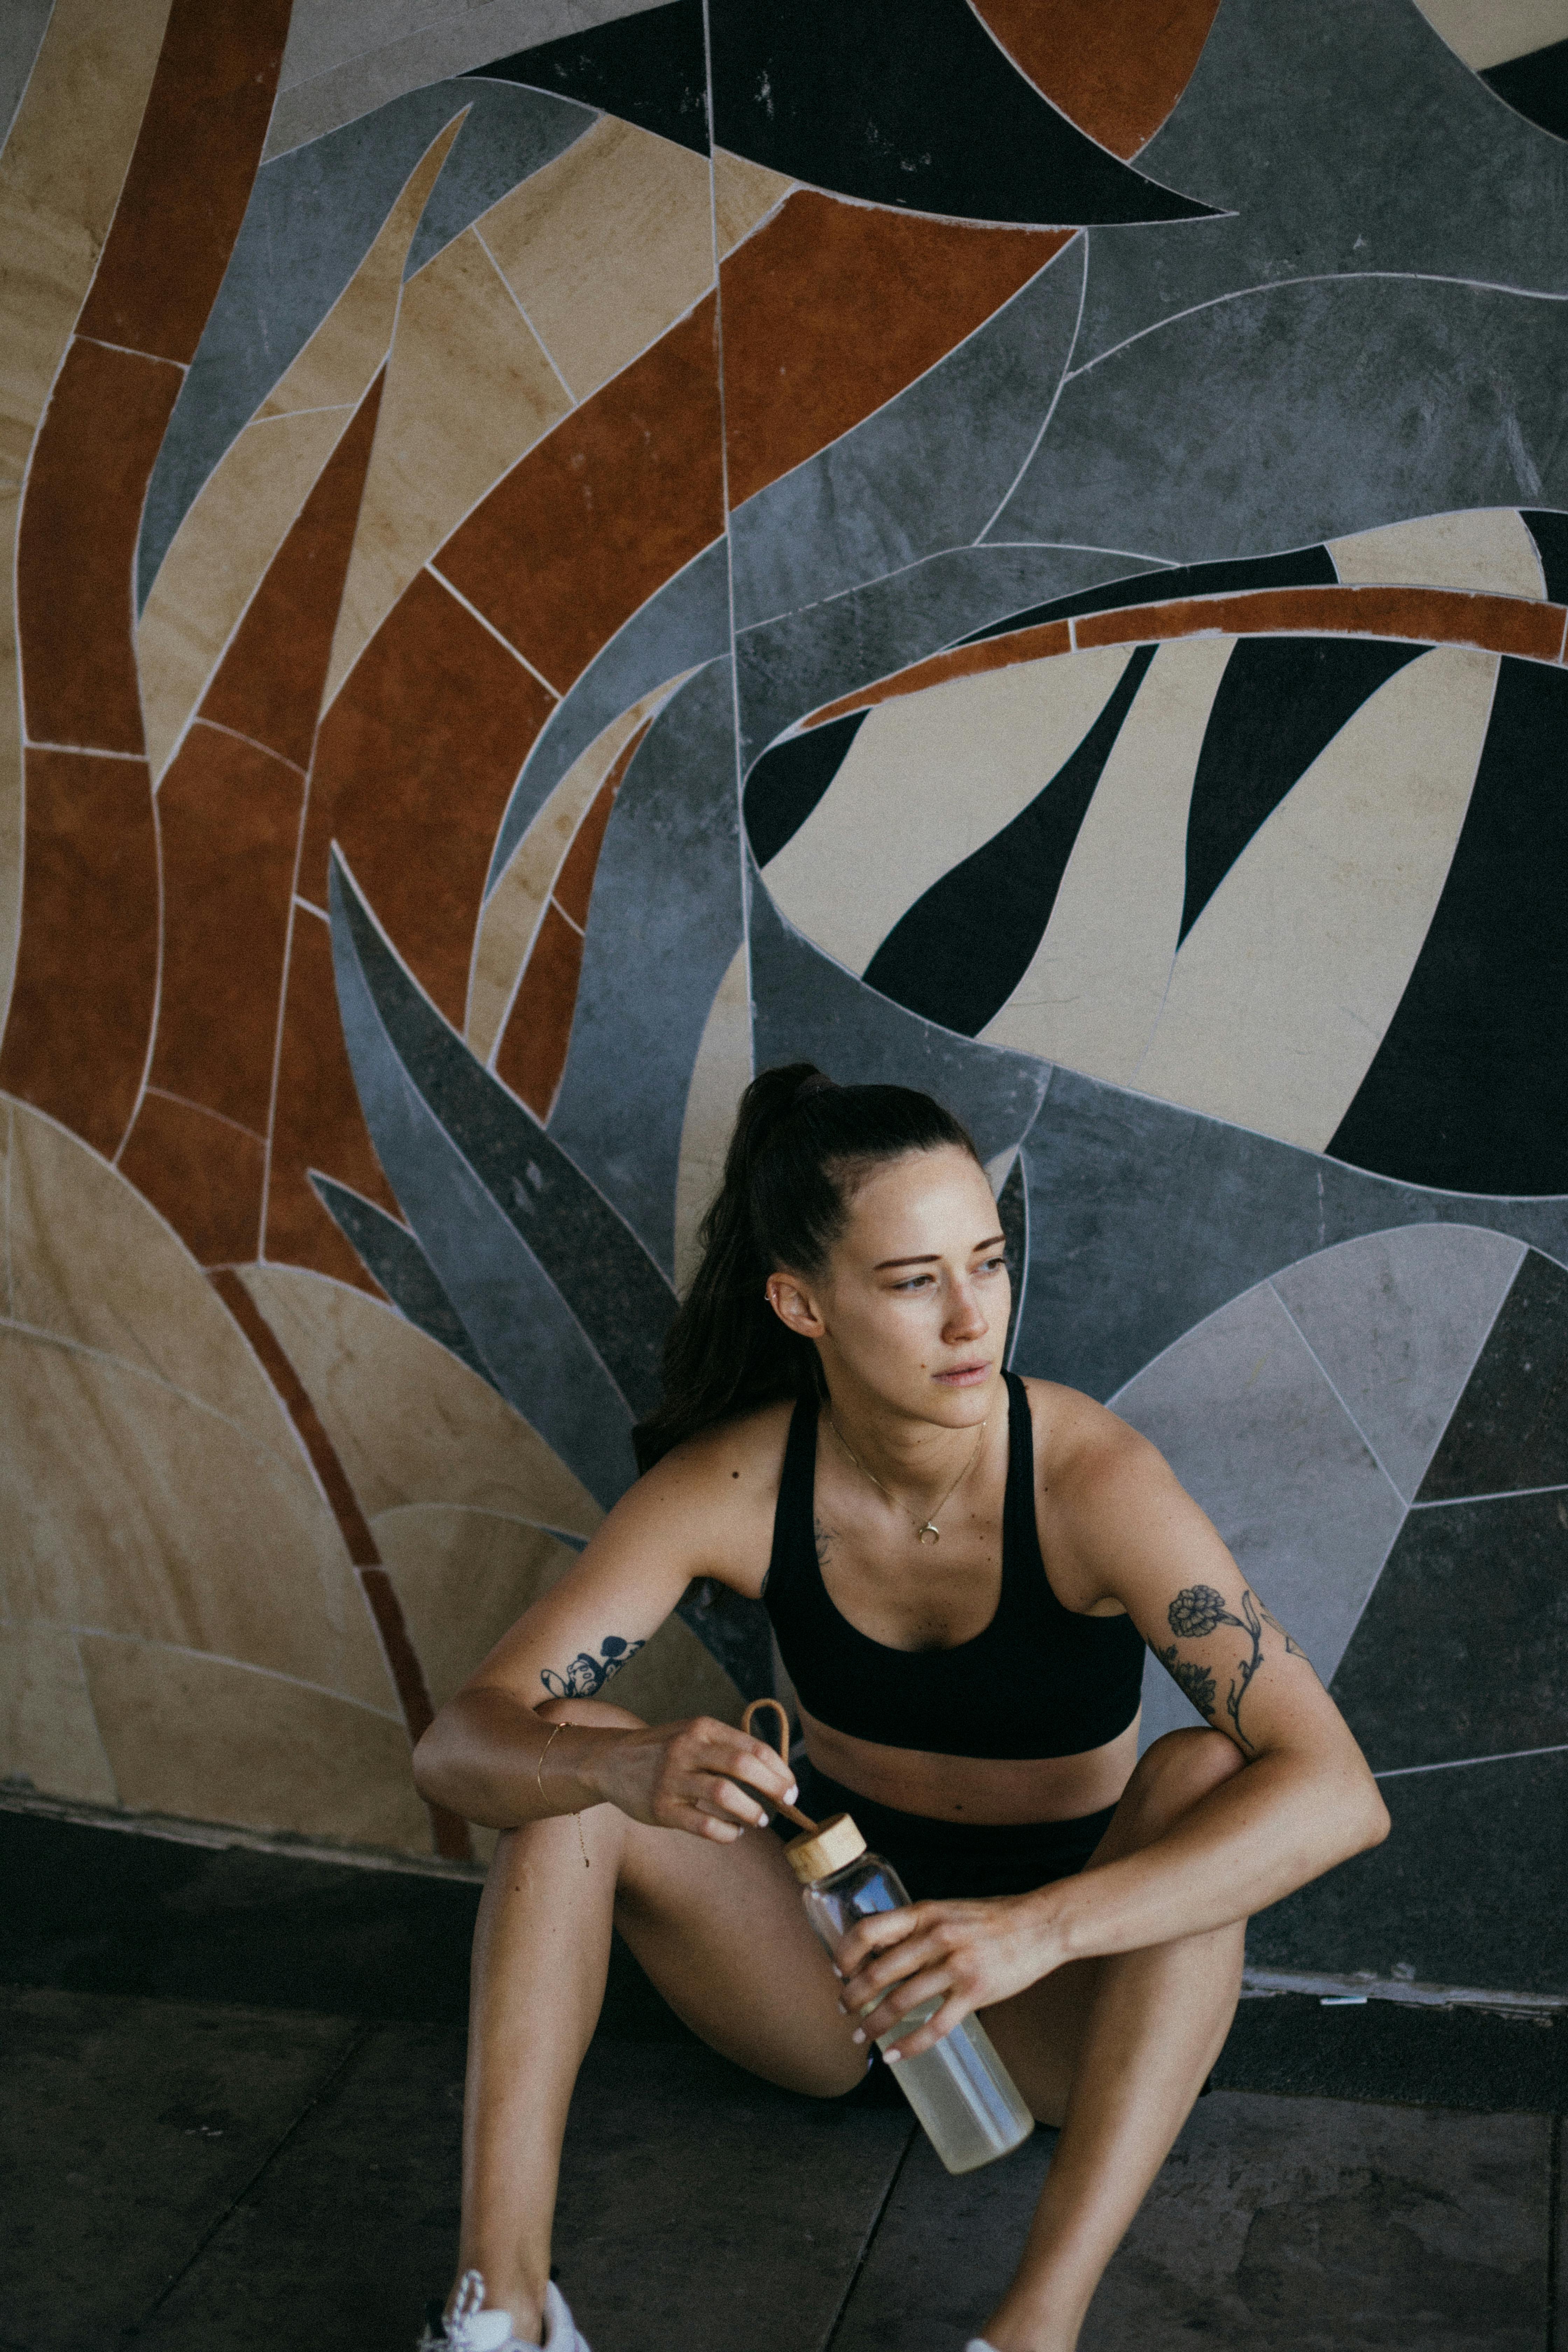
(129, 350)
(553, 691)
(1503, 1495)
(266, 748)
(1344, 1408)
(151, 1045)
(165, 1093)
(79, 750)
(237, 1665)
(521, 312)
(1056, 395)
(1462, 1763)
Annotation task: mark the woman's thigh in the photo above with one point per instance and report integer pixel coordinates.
(1038, 2034)
(721, 1931)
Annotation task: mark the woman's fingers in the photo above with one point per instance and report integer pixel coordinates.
(954, 2009)
(902, 2002)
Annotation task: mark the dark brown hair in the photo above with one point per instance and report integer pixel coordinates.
(801, 1145)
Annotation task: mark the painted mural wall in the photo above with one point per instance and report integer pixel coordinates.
(566, 550)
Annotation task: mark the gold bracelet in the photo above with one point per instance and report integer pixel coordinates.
(539, 1776)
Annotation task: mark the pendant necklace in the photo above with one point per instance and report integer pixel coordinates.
(925, 1531)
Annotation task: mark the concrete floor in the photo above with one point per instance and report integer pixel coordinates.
(190, 2173)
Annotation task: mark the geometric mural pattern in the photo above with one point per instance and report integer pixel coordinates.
(548, 579)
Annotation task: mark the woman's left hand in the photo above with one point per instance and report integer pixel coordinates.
(965, 1955)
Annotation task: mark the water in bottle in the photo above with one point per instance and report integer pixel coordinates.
(964, 2096)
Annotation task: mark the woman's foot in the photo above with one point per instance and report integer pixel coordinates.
(469, 2326)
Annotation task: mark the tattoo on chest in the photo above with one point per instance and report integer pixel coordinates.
(587, 1674)
(823, 1539)
(1194, 1614)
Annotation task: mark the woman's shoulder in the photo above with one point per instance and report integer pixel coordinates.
(1080, 1443)
(720, 1487)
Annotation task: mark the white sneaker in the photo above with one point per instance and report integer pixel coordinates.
(472, 2329)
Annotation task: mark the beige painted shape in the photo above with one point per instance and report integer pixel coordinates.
(1489, 32)
(720, 1076)
(48, 1737)
(410, 1423)
(91, 1262)
(928, 779)
(60, 177)
(242, 513)
(199, 1738)
(743, 195)
(469, 389)
(127, 1507)
(605, 246)
(240, 519)
(1287, 981)
(1488, 550)
(1092, 991)
(465, 1577)
(343, 354)
(511, 915)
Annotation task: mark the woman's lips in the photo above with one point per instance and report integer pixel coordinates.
(965, 1376)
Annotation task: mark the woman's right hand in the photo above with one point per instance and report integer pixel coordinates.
(682, 1776)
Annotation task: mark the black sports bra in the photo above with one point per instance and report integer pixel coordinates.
(1041, 1680)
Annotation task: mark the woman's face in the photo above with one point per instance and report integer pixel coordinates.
(912, 1310)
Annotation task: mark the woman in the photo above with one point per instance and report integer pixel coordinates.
(961, 1569)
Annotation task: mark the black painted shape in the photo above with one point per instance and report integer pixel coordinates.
(1280, 701)
(1471, 1887)
(1536, 86)
(733, 1629)
(1550, 532)
(1464, 1644)
(1396, 2052)
(1469, 1090)
(959, 952)
(1013, 1215)
(594, 1260)
(1302, 567)
(910, 102)
(394, 1256)
(1510, 1429)
(649, 69)
(787, 782)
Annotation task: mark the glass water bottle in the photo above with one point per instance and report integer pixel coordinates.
(961, 2091)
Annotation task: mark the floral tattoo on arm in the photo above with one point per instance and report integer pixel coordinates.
(1196, 1613)
(587, 1674)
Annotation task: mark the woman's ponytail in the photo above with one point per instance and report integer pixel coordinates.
(800, 1144)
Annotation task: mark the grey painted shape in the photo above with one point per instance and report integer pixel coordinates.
(923, 473)
(1306, 412)
(346, 58)
(1144, 1218)
(664, 923)
(393, 1255)
(1251, 1427)
(312, 218)
(480, 169)
(807, 1008)
(489, 1208)
(1342, 139)
(1397, 1319)
(789, 667)
(682, 623)
(612, 1287)
(23, 24)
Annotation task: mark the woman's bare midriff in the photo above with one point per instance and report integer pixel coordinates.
(979, 1789)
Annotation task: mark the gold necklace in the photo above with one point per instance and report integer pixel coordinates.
(926, 1531)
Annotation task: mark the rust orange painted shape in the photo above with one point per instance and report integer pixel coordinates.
(317, 1122)
(87, 967)
(76, 546)
(1437, 616)
(190, 176)
(229, 817)
(533, 1050)
(414, 762)
(202, 1174)
(269, 683)
(1116, 66)
(833, 308)
(604, 510)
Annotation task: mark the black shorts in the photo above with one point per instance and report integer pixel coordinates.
(955, 1858)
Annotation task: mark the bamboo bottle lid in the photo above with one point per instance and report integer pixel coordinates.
(822, 1850)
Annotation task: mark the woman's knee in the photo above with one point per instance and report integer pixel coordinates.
(1175, 1774)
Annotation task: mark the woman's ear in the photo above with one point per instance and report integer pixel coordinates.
(794, 1306)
